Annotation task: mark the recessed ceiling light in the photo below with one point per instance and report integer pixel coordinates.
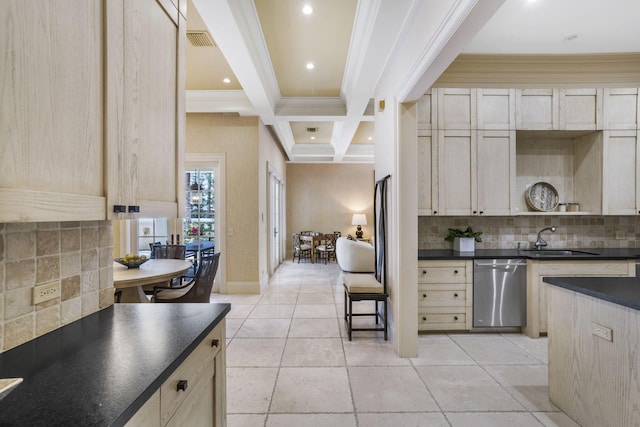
(226, 80)
(313, 137)
(370, 138)
(310, 66)
(307, 9)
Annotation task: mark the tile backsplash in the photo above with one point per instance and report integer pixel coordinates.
(505, 232)
(78, 254)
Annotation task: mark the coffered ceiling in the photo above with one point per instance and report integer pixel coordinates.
(325, 114)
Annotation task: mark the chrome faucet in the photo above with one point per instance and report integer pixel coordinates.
(540, 242)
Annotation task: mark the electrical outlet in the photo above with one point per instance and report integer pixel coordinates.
(46, 292)
(230, 231)
(602, 331)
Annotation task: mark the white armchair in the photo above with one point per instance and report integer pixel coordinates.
(354, 256)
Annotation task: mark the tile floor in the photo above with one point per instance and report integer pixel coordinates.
(290, 363)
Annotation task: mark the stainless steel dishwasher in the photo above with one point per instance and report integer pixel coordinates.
(499, 292)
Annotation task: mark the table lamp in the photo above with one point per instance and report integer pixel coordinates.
(359, 220)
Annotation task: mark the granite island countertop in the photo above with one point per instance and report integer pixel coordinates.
(602, 254)
(102, 368)
(624, 291)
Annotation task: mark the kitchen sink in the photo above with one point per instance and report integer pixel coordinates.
(556, 252)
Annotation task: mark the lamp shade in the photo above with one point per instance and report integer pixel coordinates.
(359, 219)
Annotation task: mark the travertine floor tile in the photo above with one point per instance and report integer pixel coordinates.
(249, 389)
(264, 328)
(440, 350)
(492, 349)
(313, 352)
(255, 352)
(422, 419)
(310, 328)
(528, 384)
(311, 420)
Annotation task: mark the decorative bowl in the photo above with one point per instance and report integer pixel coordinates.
(542, 197)
(132, 262)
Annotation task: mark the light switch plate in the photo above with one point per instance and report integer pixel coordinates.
(46, 292)
(602, 331)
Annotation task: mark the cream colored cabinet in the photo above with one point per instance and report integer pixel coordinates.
(559, 109)
(445, 295)
(145, 108)
(537, 290)
(427, 174)
(621, 172)
(98, 119)
(621, 109)
(195, 393)
(456, 109)
(495, 172)
(457, 186)
(496, 109)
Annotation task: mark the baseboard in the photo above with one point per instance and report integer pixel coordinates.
(243, 287)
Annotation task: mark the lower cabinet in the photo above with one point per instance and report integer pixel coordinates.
(537, 290)
(445, 295)
(195, 393)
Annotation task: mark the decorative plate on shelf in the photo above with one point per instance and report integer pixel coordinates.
(542, 197)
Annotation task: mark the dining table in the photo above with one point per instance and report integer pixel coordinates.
(129, 281)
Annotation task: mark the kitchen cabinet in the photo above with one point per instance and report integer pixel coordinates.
(621, 109)
(559, 109)
(456, 109)
(621, 172)
(145, 106)
(457, 186)
(98, 119)
(495, 169)
(445, 295)
(427, 175)
(537, 290)
(194, 394)
(496, 109)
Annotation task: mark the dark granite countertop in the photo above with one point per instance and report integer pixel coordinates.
(624, 291)
(99, 370)
(602, 254)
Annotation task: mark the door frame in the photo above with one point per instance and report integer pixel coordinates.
(273, 174)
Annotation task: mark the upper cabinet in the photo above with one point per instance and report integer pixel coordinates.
(92, 109)
(480, 149)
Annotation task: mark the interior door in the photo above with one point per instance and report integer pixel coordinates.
(276, 239)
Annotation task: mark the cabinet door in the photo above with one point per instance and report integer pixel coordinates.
(496, 109)
(146, 159)
(51, 125)
(456, 161)
(495, 172)
(621, 181)
(621, 109)
(580, 109)
(427, 176)
(426, 109)
(199, 408)
(456, 108)
(536, 109)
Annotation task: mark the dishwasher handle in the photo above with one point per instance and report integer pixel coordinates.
(500, 263)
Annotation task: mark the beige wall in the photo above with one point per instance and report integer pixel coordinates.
(247, 147)
(78, 254)
(270, 157)
(323, 197)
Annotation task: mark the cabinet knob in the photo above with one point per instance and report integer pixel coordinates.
(424, 271)
(182, 385)
(215, 343)
(455, 295)
(475, 212)
(424, 295)
(436, 212)
(455, 271)
(481, 212)
(424, 318)
(455, 317)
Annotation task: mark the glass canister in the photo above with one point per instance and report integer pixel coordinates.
(573, 207)
(562, 207)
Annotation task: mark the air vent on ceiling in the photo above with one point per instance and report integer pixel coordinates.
(200, 38)
(312, 130)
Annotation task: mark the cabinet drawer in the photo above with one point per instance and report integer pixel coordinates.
(442, 287)
(453, 274)
(450, 321)
(441, 299)
(190, 371)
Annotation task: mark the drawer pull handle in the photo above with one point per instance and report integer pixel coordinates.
(455, 317)
(182, 385)
(215, 343)
(424, 295)
(455, 295)
(424, 318)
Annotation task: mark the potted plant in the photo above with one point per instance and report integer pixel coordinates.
(463, 240)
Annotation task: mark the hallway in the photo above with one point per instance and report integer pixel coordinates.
(290, 363)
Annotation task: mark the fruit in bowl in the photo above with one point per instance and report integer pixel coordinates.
(132, 260)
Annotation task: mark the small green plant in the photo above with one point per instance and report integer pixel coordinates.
(467, 232)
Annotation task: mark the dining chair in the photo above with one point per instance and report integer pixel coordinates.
(197, 290)
(306, 233)
(160, 251)
(301, 250)
(327, 249)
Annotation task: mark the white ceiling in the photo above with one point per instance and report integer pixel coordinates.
(263, 45)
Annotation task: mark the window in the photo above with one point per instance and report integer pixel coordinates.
(151, 230)
(199, 222)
